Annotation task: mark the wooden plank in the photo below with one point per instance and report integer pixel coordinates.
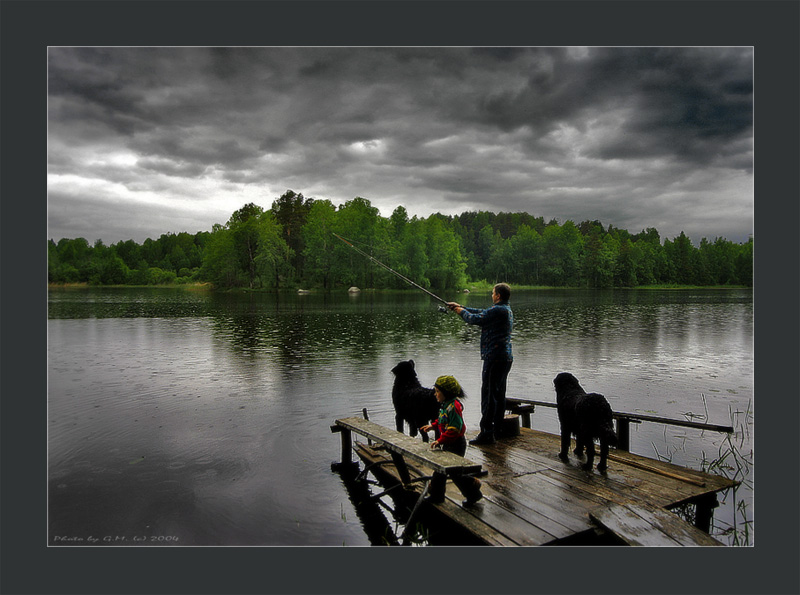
(711, 481)
(606, 490)
(630, 527)
(628, 482)
(421, 452)
(674, 422)
(641, 525)
(477, 527)
(544, 442)
(527, 457)
(515, 402)
(533, 456)
(653, 469)
(684, 533)
(501, 520)
(527, 507)
(509, 458)
(560, 512)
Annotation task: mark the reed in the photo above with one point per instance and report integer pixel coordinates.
(735, 461)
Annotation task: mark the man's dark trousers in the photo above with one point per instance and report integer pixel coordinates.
(493, 396)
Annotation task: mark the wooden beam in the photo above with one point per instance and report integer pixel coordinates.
(654, 469)
(634, 417)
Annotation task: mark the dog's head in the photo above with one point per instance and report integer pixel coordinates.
(404, 369)
(565, 382)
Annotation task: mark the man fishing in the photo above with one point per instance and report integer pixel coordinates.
(496, 323)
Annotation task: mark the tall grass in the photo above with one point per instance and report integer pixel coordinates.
(733, 460)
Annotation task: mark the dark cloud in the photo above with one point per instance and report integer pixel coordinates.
(569, 133)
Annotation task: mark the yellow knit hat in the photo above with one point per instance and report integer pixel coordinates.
(449, 386)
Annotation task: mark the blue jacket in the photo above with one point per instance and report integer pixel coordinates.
(496, 323)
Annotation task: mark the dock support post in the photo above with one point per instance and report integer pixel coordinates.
(704, 510)
(524, 411)
(402, 469)
(347, 464)
(347, 446)
(366, 416)
(437, 487)
(623, 434)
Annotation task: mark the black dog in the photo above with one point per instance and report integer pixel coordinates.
(413, 403)
(586, 416)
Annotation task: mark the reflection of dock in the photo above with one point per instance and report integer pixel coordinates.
(534, 498)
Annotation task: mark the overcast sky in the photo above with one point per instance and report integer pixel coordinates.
(146, 141)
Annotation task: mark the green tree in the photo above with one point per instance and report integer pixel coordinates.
(152, 252)
(744, 264)
(357, 221)
(273, 256)
(319, 243)
(651, 267)
(129, 251)
(291, 212)
(246, 251)
(113, 270)
(411, 255)
(220, 262)
(244, 226)
(600, 259)
(561, 258)
(397, 223)
(719, 259)
(490, 255)
(626, 264)
(446, 266)
(526, 248)
(682, 260)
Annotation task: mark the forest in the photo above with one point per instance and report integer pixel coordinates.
(292, 245)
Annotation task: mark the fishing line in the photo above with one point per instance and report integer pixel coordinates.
(391, 270)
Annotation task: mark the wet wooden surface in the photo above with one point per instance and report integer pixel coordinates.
(531, 497)
(639, 524)
(413, 448)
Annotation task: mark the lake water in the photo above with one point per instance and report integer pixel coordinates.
(181, 417)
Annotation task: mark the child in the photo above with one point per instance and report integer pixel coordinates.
(450, 429)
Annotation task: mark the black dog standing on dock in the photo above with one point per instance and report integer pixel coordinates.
(588, 416)
(413, 403)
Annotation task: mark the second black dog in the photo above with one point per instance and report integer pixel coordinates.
(588, 416)
(413, 403)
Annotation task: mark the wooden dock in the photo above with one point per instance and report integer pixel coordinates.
(531, 497)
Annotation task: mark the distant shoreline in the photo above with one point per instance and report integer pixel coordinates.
(473, 288)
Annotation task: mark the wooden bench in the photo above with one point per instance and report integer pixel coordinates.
(524, 407)
(445, 465)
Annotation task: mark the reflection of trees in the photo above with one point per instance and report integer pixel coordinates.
(308, 328)
(619, 321)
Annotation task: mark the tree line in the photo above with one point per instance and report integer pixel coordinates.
(292, 244)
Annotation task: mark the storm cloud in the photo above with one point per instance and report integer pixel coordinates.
(145, 141)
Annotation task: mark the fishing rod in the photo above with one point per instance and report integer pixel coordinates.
(391, 270)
